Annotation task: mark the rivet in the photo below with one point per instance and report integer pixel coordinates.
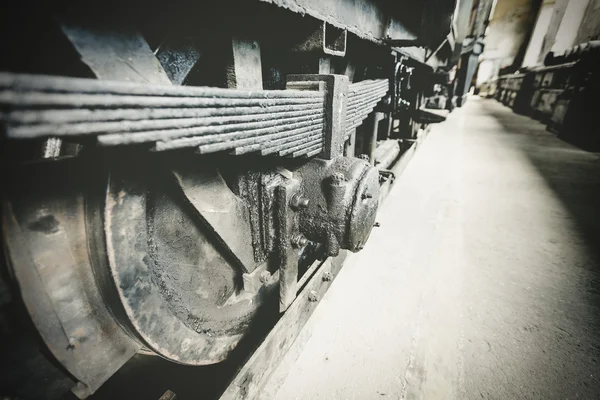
(313, 296)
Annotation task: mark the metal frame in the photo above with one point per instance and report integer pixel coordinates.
(255, 373)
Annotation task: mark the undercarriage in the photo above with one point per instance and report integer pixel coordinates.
(175, 174)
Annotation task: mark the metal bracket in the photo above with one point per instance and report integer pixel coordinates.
(324, 38)
(286, 225)
(336, 98)
(221, 210)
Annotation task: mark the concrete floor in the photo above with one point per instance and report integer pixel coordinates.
(483, 280)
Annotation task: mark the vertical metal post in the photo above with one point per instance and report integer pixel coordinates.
(336, 98)
(246, 65)
(350, 145)
(371, 143)
(286, 227)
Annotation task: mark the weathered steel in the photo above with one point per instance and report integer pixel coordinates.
(56, 84)
(343, 197)
(180, 252)
(370, 144)
(226, 215)
(243, 138)
(324, 38)
(253, 375)
(286, 225)
(228, 119)
(178, 55)
(32, 98)
(46, 231)
(386, 153)
(336, 93)
(366, 18)
(362, 99)
(169, 139)
(245, 71)
(299, 146)
(115, 54)
(251, 378)
(164, 265)
(59, 116)
(254, 133)
(308, 148)
(124, 127)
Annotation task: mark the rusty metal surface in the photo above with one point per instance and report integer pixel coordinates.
(386, 153)
(226, 215)
(362, 99)
(324, 39)
(343, 197)
(180, 294)
(208, 119)
(246, 69)
(183, 251)
(286, 231)
(178, 55)
(336, 97)
(47, 242)
(366, 19)
(113, 53)
(169, 117)
(253, 375)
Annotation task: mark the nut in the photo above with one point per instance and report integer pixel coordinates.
(313, 296)
(299, 241)
(327, 276)
(298, 201)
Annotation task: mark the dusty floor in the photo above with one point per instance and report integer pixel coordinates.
(483, 280)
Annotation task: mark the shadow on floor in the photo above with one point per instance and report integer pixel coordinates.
(571, 172)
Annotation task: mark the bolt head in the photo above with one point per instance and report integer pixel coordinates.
(303, 202)
(365, 157)
(313, 296)
(299, 241)
(327, 276)
(298, 202)
(265, 276)
(337, 178)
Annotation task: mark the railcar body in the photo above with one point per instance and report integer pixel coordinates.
(174, 171)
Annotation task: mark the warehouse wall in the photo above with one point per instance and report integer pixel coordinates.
(536, 42)
(569, 25)
(509, 28)
(590, 25)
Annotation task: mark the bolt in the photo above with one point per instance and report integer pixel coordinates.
(337, 178)
(298, 201)
(265, 276)
(313, 296)
(365, 157)
(299, 241)
(327, 276)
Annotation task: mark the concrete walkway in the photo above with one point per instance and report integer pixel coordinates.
(483, 280)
